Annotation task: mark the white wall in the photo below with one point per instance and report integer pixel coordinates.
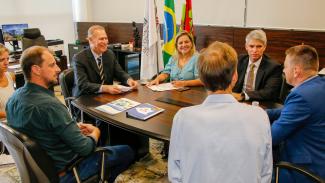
(52, 17)
(288, 14)
(205, 12)
(55, 17)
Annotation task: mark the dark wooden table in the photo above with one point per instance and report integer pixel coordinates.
(159, 126)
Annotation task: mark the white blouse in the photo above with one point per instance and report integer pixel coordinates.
(6, 92)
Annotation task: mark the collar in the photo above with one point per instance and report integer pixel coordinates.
(257, 63)
(37, 87)
(95, 54)
(219, 98)
(310, 78)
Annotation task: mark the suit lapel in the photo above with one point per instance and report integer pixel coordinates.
(260, 74)
(242, 71)
(92, 61)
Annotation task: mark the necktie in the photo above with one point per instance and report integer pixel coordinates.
(101, 69)
(250, 78)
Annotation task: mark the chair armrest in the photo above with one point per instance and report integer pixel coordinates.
(299, 169)
(76, 161)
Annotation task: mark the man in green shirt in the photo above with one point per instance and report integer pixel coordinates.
(34, 110)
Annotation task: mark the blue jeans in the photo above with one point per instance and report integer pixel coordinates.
(122, 156)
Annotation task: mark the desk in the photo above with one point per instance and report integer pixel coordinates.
(159, 126)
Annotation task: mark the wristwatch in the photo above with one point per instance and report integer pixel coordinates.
(242, 94)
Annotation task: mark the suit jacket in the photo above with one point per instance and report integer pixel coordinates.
(86, 72)
(299, 128)
(209, 146)
(267, 82)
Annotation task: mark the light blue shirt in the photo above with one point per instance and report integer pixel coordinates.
(220, 140)
(189, 71)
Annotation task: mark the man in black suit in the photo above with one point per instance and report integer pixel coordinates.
(259, 77)
(86, 65)
(95, 69)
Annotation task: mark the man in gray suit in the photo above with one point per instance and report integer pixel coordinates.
(87, 65)
(259, 77)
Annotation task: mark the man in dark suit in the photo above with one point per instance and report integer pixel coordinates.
(87, 65)
(299, 127)
(259, 77)
(95, 69)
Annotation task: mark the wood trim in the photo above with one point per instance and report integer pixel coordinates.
(278, 40)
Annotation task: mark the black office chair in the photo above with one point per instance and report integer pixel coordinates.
(33, 163)
(301, 170)
(66, 79)
(33, 37)
(285, 89)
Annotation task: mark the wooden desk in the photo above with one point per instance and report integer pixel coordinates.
(158, 127)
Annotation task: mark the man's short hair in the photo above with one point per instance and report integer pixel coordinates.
(305, 56)
(256, 35)
(31, 56)
(93, 28)
(217, 65)
(3, 49)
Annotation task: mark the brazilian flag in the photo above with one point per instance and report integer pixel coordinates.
(169, 30)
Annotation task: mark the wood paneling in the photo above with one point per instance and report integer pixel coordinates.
(278, 40)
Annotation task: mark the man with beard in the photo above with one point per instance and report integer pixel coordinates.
(34, 110)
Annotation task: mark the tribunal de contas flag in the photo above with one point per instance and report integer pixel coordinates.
(187, 19)
(169, 30)
(151, 55)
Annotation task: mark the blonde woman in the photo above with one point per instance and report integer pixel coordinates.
(6, 80)
(182, 66)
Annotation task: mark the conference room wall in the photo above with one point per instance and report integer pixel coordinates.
(54, 18)
(288, 14)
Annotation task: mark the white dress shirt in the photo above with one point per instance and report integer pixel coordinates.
(220, 140)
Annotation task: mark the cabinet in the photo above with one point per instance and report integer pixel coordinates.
(129, 60)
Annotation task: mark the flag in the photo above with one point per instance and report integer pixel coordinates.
(187, 19)
(151, 55)
(169, 30)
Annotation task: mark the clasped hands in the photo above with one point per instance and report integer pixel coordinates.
(89, 130)
(114, 89)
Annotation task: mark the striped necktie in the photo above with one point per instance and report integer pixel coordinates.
(101, 69)
(250, 78)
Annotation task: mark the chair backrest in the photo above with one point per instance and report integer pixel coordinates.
(66, 79)
(33, 37)
(285, 89)
(33, 163)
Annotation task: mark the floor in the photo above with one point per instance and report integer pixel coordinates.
(151, 168)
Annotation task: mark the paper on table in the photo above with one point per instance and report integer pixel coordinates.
(322, 72)
(124, 88)
(117, 106)
(163, 87)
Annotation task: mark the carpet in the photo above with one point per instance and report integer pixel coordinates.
(151, 168)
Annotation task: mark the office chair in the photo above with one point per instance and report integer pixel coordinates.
(33, 163)
(285, 89)
(301, 170)
(66, 79)
(33, 37)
